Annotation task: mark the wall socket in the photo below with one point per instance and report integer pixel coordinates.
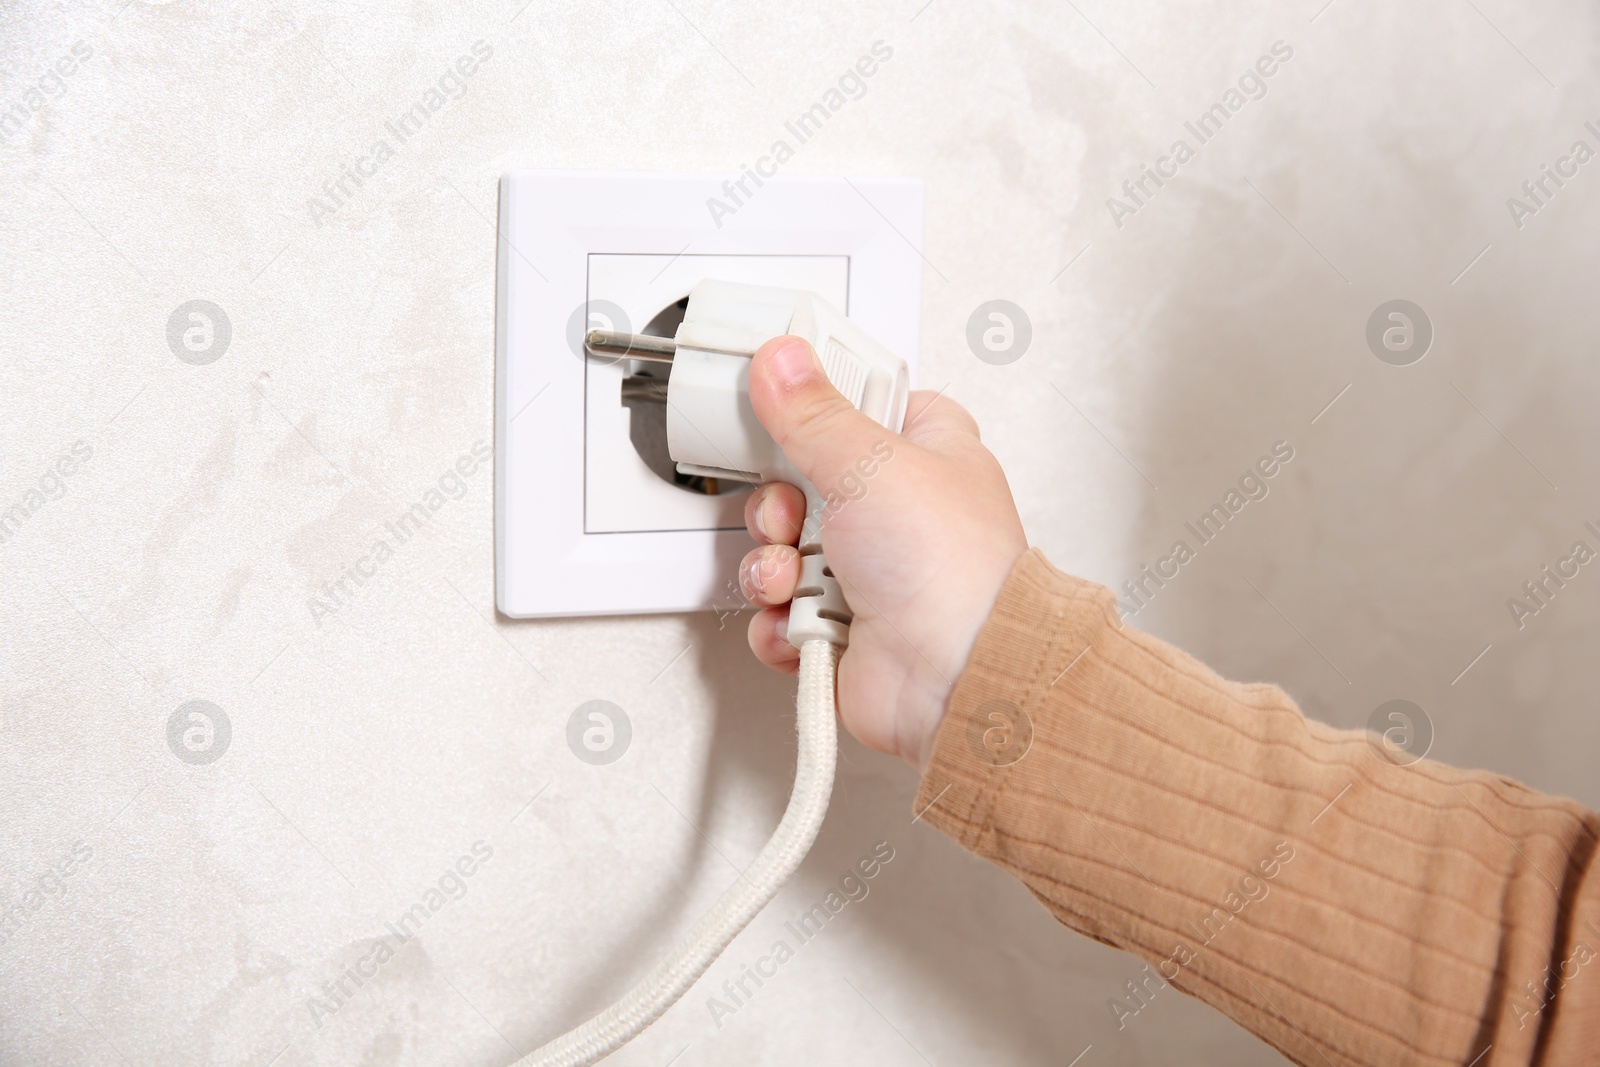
(591, 518)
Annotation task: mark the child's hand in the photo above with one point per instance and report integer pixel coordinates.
(922, 540)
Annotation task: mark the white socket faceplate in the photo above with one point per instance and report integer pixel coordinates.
(582, 526)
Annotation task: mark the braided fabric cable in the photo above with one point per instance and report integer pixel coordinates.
(817, 726)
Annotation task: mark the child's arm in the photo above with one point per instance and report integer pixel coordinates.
(1344, 909)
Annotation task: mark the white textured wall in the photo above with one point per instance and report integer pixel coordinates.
(207, 903)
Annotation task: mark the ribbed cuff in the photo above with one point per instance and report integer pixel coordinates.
(1042, 623)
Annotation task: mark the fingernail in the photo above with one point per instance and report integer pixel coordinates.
(782, 629)
(792, 363)
(763, 501)
(753, 578)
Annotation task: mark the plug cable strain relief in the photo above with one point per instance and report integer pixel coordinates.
(818, 611)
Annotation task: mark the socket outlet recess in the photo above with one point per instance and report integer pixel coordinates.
(591, 517)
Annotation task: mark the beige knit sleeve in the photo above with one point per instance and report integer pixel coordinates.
(1345, 909)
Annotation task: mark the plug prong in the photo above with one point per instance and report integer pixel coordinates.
(631, 345)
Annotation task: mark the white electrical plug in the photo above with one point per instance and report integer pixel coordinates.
(713, 431)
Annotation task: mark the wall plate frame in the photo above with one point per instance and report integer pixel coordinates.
(551, 224)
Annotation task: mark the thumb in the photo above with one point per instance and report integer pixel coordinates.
(821, 432)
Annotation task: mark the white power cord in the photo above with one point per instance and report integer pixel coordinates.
(817, 725)
(713, 432)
